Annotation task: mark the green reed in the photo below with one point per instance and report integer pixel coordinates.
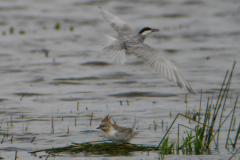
(236, 137)
(167, 149)
(204, 131)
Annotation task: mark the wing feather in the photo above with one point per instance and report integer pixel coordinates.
(160, 64)
(113, 48)
(117, 24)
(116, 49)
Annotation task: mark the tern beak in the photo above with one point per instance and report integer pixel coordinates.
(155, 30)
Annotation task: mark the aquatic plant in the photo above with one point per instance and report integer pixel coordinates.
(57, 26)
(155, 125)
(99, 148)
(204, 131)
(196, 140)
(166, 148)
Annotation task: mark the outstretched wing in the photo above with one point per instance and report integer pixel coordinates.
(114, 48)
(117, 24)
(160, 64)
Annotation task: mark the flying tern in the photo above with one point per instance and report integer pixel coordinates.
(126, 43)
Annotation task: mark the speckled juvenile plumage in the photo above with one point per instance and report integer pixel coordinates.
(115, 133)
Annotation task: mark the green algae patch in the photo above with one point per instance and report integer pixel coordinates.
(99, 148)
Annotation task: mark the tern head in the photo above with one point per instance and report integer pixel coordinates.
(147, 30)
(105, 126)
(107, 119)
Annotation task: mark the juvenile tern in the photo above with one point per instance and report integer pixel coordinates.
(114, 132)
(116, 48)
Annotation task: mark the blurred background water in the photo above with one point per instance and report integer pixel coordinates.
(46, 69)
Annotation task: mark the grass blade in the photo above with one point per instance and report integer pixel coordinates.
(231, 121)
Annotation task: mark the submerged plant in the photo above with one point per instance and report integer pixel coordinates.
(26, 129)
(11, 121)
(155, 125)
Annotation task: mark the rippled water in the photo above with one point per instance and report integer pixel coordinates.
(45, 72)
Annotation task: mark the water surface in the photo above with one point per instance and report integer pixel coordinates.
(45, 72)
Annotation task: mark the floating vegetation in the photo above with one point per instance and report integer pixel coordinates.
(57, 26)
(46, 52)
(21, 32)
(174, 15)
(71, 28)
(11, 30)
(99, 148)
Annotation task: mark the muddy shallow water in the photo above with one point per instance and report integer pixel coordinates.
(45, 71)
